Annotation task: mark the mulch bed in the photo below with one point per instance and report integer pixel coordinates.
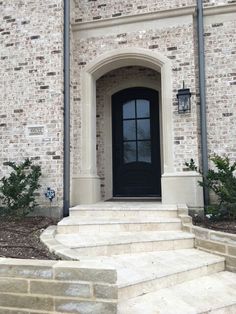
(223, 226)
(21, 238)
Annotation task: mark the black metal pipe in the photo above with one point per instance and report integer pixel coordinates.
(66, 188)
(202, 90)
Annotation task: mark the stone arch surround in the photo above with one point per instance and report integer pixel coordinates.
(107, 85)
(86, 184)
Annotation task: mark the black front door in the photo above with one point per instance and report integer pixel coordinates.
(136, 143)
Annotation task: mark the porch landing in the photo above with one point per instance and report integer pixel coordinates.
(158, 268)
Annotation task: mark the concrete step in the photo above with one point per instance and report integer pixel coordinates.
(147, 272)
(94, 224)
(214, 294)
(142, 273)
(126, 242)
(120, 210)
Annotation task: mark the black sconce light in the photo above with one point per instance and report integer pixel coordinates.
(184, 100)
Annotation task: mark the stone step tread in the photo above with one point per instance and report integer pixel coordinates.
(79, 240)
(140, 267)
(69, 221)
(126, 206)
(214, 293)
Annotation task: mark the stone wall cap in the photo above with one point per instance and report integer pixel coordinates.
(211, 231)
(220, 9)
(84, 264)
(27, 262)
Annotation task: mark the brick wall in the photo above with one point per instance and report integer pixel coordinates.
(56, 287)
(220, 51)
(86, 10)
(31, 69)
(31, 89)
(179, 44)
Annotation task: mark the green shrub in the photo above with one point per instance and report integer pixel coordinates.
(191, 165)
(17, 192)
(222, 181)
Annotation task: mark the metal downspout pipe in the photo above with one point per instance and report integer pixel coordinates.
(66, 183)
(202, 90)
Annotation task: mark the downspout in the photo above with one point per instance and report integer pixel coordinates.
(66, 190)
(202, 90)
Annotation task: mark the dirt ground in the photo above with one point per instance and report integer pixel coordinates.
(223, 226)
(21, 238)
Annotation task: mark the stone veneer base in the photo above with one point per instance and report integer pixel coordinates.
(220, 243)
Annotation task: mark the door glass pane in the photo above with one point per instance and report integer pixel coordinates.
(129, 110)
(129, 152)
(144, 151)
(129, 130)
(143, 129)
(143, 108)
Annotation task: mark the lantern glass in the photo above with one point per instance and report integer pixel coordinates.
(184, 102)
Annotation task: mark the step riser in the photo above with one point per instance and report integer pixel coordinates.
(119, 214)
(165, 226)
(168, 281)
(231, 309)
(108, 250)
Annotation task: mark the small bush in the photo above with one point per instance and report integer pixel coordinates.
(191, 165)
(17, 190)
(222, 181)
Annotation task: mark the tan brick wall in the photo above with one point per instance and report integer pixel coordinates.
(31, 88)
(56, 287)
(179, 44)
(86, 10)
(31, 69)
(220, 51)
(209, 3)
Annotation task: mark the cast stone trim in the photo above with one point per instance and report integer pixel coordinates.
(108, 126)
(105, 63)
(137, 18)
(153, 19)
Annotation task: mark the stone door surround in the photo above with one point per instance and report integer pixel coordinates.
(86, 185)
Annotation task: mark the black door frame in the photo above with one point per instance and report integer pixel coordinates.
(119, 98)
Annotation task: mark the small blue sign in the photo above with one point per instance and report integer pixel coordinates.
(50, 194)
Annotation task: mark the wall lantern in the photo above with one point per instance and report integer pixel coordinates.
(184, 101)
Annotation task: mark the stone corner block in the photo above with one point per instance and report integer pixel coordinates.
(74, 272)
(49, 232)
(41, 269)
(200, 232)
(182, 209)
(106, 291)
(76, 306)
(210, 246)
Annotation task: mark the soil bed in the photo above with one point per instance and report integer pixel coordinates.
(21, 238)
(223, 226)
